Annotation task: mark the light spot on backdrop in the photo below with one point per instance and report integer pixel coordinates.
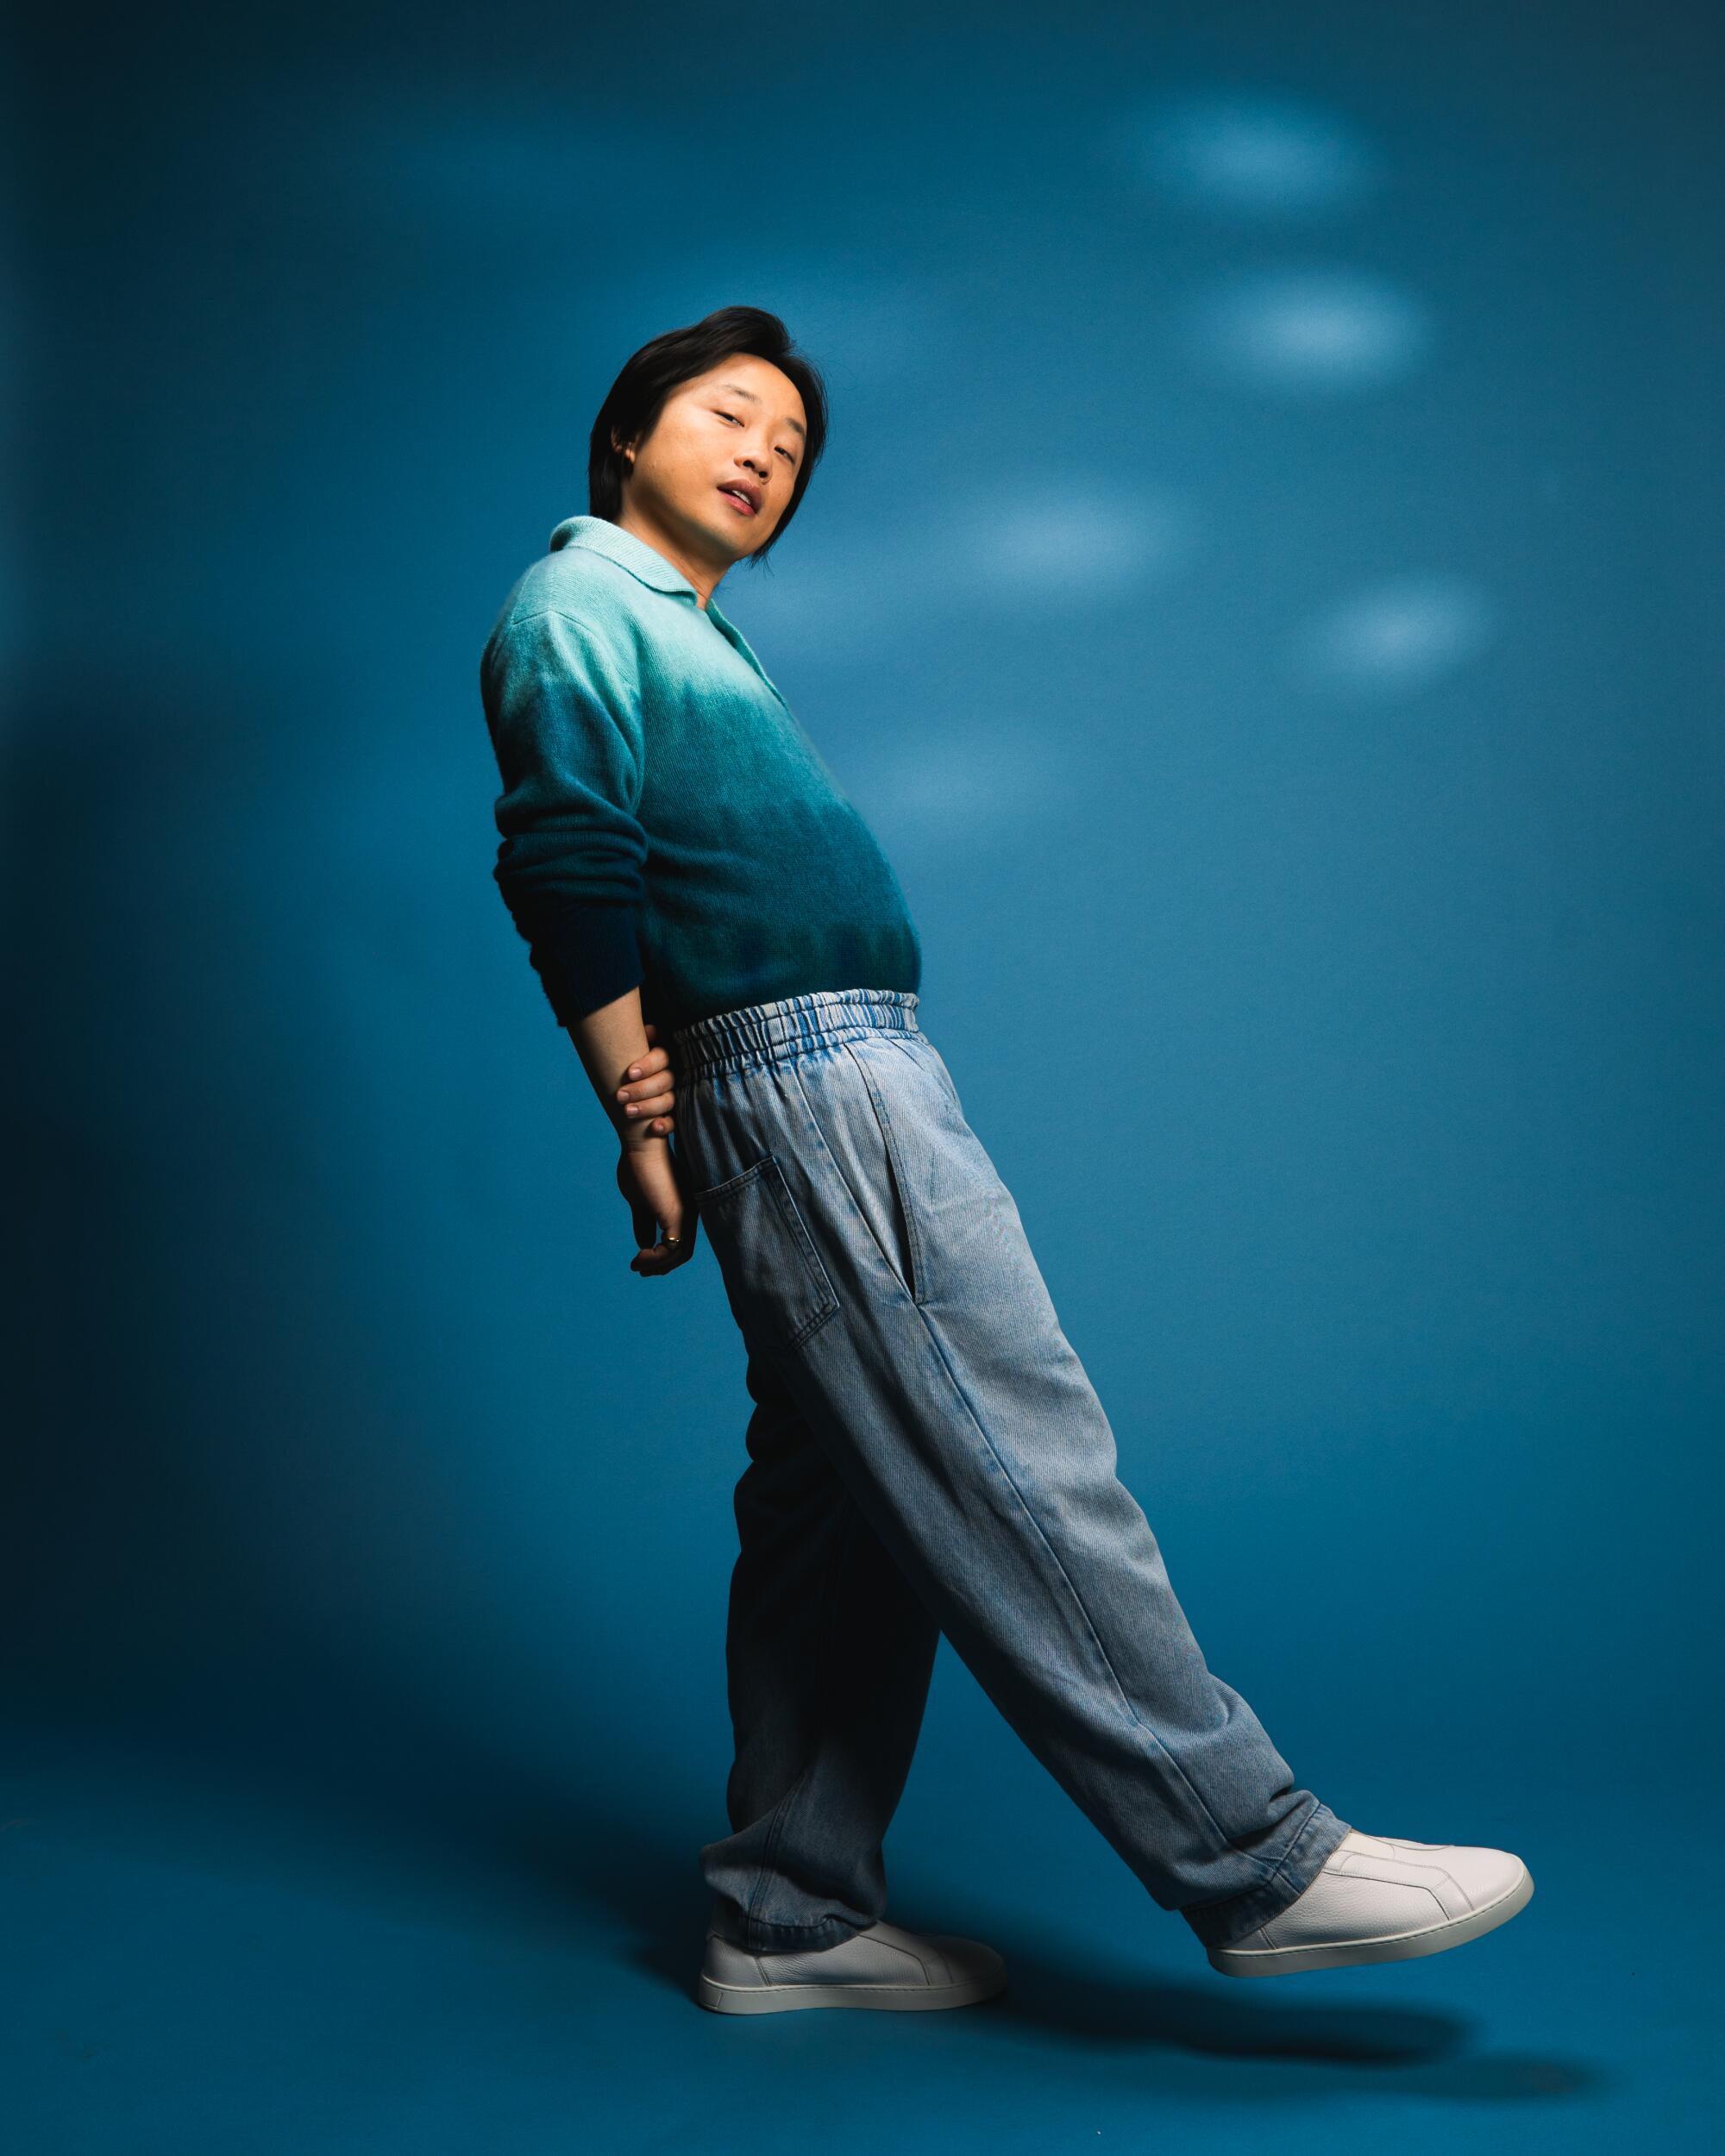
(1309, 332)
(1010, 542)
(996, 548)
(1247, 153)
(968, 788)
(1395, 636)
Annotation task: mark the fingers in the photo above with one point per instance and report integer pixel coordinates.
(665, 1257)
(647, 1093)
(671, 1218)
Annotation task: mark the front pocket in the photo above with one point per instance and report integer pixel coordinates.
(777, 1287)
(909, 1260)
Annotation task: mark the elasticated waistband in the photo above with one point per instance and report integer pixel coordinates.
(763, 1032)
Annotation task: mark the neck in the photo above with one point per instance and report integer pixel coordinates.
(700, 573)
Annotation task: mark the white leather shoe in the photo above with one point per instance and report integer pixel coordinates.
(883, 1966)
(1381, 1899)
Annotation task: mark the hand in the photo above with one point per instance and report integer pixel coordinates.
(647, 1177)
(648, 1095)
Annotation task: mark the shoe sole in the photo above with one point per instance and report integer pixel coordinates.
(1287, 1961)
(887, 1998)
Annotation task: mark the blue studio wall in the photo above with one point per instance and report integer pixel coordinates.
(1263, 589)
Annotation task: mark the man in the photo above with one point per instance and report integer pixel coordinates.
(926, 1453)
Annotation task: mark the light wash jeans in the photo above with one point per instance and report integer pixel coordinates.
(926, 1454)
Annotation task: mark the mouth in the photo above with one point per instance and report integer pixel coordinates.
(747, 498)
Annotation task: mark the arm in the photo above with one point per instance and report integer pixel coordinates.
(609, 1041)
(565, 724)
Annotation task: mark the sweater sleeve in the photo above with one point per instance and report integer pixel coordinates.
(565, 726)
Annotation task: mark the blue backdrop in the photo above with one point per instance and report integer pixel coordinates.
(1263, 589)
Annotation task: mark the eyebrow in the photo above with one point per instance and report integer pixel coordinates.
(738, 390)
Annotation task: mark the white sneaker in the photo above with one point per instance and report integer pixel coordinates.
(1380, 1899)
(900, 1971)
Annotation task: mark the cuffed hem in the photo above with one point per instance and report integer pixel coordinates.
(1222, 1923)
(754, 1935)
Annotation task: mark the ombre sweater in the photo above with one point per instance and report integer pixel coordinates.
(666, 823)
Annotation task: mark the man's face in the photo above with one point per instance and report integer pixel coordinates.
(717, 469)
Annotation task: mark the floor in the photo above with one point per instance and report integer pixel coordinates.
(213, 1947)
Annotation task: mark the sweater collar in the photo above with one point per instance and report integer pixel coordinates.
(600, 535)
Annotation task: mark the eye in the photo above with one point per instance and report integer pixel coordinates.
(785, 454)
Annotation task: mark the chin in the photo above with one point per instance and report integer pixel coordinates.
(726, 535)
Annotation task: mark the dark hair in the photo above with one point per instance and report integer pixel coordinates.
(637, 396)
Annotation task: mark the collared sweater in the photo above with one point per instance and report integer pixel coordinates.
(665, 822)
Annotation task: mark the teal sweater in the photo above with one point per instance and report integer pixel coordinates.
(666, 823)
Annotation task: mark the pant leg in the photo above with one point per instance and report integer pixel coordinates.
(873, 1255)
(829, 1653)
